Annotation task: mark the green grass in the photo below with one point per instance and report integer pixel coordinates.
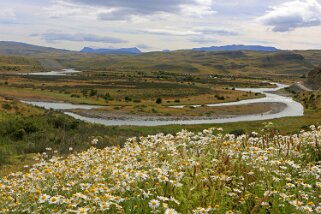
(19, 64)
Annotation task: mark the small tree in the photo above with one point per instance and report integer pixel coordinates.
(159, 100)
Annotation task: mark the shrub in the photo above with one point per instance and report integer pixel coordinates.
(219, 97)
(6, 106)
(93, 92)
(128, 99)
(237, 132)
(75, 96)
(159, 100)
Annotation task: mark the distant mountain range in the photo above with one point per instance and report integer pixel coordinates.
(18, 48)
(121, 51)
(238, 48)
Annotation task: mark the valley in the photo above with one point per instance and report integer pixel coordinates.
(160, 107)
(143, 92)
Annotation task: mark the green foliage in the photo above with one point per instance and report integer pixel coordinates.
(6, 106)
(93, 92)
(18, 64)
(159, 100)
(128, 99)
(108, 97)
(218, 97)
(238, 132)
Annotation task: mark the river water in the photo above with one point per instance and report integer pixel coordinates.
(293, 109)
(63, 72)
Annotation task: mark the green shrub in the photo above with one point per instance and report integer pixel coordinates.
(159, 100)
(6, 106)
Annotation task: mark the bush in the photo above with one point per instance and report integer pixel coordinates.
(107, 97)
(19, 134)
(128, 99)
(159, 100)
(93, 92)
(219, 97)
(63, 122)
(6, 106)
(75, 96)
(237, 132)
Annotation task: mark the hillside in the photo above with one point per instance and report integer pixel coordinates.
(19, 64)
(293, 64)
(18, 48)
(312, 56)
(243, 63)
(314, 78)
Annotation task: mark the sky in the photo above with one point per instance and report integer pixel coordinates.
(162, 24)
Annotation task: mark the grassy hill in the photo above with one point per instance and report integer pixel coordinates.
(244, 63)
(312, 56)
(18, 48)
(19, 64)
(287, 64)
(314, 78)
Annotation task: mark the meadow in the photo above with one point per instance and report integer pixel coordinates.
(204, 172)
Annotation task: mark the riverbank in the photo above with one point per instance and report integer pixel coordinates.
(201, 113)
(249, 111)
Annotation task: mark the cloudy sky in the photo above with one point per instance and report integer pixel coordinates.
(162, 24)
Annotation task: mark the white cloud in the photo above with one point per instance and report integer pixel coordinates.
(53, 37)
(7, 13)
(204, 40)
(201, 8)
(192, 32)
(293, 14)
(219, 32)
(171, 32)
(61, 9)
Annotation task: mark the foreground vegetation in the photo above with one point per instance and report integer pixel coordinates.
(26, 130)
(205, 172)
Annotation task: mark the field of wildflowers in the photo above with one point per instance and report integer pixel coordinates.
(206, 172)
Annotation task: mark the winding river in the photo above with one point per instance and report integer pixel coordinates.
(63, 72)
(293, 109)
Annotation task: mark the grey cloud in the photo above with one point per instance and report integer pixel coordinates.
(204, 40)
(243, 8)
(119, 14)
(53, 37)
(139, 6)
(291, 15)
(219, 32)
(125, 9)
